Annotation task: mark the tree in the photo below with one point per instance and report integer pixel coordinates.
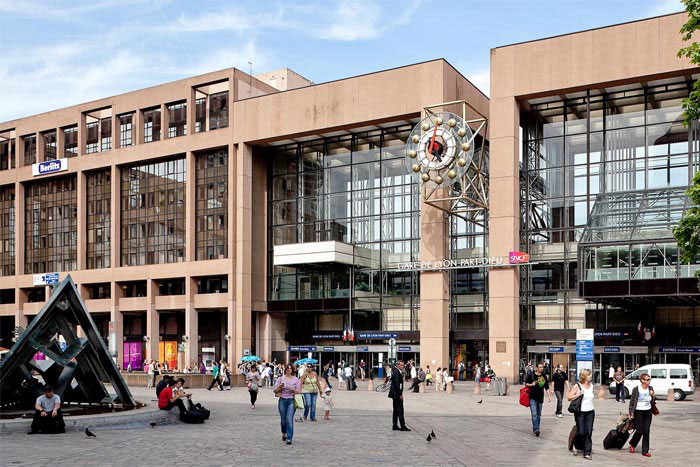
(687, 233)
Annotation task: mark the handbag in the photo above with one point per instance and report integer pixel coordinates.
(654, 408)
(298, 402)
(575, 405)
(525, 396)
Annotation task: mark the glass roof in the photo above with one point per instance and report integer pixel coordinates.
(635, 216)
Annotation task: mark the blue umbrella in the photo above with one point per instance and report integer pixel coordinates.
(250, 358)
(304, 361)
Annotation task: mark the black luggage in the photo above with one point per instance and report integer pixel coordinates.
(615, 439)
(206, 412)
(192, 416)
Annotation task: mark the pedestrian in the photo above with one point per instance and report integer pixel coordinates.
(619, 378)
(327, 403)
(310, 388)
(151, 373)
(460, 371)
(350, 378)
(560, 380)
(414, 379)
(642, 402)
(396, 395)
(584, 417)
(445, 376)
(215, 378)
(477, 374)
(538, 384)
(428, 376)
(438, 379)
(286, 387)
(266, 378)
(300, 371)
(202, 369)
(253, 379)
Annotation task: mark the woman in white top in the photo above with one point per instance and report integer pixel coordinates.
(438, 379)
(641, 403)
(586, 416)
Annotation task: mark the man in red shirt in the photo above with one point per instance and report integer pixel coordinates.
(166, 399)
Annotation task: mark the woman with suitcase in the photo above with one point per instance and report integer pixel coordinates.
(585, 416)
(642, 407)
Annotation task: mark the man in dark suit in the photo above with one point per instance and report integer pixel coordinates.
(396, 394)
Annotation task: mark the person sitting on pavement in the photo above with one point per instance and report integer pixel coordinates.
(167, 399)
(162, 384)
(47, 414)
(179, 390)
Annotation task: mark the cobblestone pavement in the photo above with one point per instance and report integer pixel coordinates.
(495, 432)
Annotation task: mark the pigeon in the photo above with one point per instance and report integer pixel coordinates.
(432, 434)
(480, 401)
(89, 433)
(153, 424)
(428, 438)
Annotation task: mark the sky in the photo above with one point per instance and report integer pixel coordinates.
(57, 53)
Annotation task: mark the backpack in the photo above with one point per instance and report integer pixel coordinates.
(204, 411)
(193, 416)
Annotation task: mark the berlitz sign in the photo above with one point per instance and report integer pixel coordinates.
(49, 167)
(514, 258)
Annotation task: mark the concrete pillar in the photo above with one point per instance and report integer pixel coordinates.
(137, 127)
(434, 287)
(264, 349)
(117, 317)
(191, 324)
(152, 321)
(191, 110)
(82, 134)
(504, 224)
(60, 144)
(81, 187)
(40, 156)
(190, 204)
(243, 268)
(230, 328)
(115, 130)
(20, 300)
(19, 151)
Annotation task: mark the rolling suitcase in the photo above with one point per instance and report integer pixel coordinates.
(615, 439)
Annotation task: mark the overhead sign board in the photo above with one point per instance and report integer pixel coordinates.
(49, 167)
(611, 349)
(207, 349)
(679, 349)
(302, 348)
(46, 279)
(559, 349)
(377, 335)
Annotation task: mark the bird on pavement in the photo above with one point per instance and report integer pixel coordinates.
(428, 439)
(432, 434)
(89, 433)
(480, 401)
(153, 424)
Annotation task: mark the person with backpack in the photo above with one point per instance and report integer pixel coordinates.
(585, 415)
(642, 408)
(537, 383)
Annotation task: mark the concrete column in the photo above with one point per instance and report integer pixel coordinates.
(230, 327)
(434, 287)
(191, 323)
(152, 321)
(60, 144)
(264, 334)
(19, 151)
(504, 224)
(231, 228)
(190, 204)
(81, 185)
(20, 300)
(137, 127)
(191, 110)
(82, 134)
(118, 318)
(244, 245)
(114, 225)
(115, 130)
(19, 229)
(40, 157)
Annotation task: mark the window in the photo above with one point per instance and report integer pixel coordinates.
(151, 125)
(7, 230)
(51, 226)
(125, 122)
(7, 154)
(679, 373)
(92, 137)
(99, 291)
(153, 213)
(29, 149)
(98, 219)
(200, 118)
(658, 373)
(36, 294)
(212, 284)
(177, 119)
(106, 134)
(171, 287)
(50, 145)
(218, 110)
(211, 237)
(70, 144)
(7, 296)
(134, 289)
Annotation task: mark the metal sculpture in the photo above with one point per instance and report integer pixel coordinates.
(77, 367)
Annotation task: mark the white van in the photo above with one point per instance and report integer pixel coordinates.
(676, 376)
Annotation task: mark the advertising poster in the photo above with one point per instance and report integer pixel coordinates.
(167, 352)
(133, 354)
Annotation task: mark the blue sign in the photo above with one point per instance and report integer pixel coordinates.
(404, 348)
(329, 349)
(679, 349)
(302, 348)
(46, 279)
(377, 335)
(584, 350)
(49, 167)
(611, 350)
(361, 348)
(556, 349)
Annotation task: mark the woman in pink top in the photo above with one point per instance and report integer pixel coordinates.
(285, 388)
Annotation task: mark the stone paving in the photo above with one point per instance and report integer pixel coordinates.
(496, 432)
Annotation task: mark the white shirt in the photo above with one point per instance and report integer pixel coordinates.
(611, 372)
(587, 401)
(644, 400)
(413, 372)
(348, 372)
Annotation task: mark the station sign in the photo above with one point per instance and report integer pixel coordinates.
(329, 349)
(515, 258)
(611, 350)
(377, 335)
(679, 349)
(606, 333)
(584, 345)
(46, 279)
(327, 335)
(362, 348)
(404, 348)
(556, 349)
(207, 349)
(302, 348)
(49, 167)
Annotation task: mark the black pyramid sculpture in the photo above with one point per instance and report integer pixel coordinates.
(76, 373)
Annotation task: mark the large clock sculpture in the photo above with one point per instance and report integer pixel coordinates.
(447, 156)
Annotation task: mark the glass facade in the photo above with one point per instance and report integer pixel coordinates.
(153, 213)
(98, 219)
(51, 226)
(177, 119)
(211, 233)
(151, 125)
(50, 145)
(29, 149)
(353, 189)
(125, 130)
(218, 110)
(7, 154)
(92, 137)
(468, 286)
(7, 230)
(577, 147)
(70, 143)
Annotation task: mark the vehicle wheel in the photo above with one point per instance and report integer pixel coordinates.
(678, 395)
(626, 393)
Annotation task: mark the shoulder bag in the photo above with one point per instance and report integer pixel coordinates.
(575, 405)
(654, 408)
(298, 401)
(525, 396)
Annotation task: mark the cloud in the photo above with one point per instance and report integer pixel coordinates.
(664, 7)
(233, 19)
(363, 19)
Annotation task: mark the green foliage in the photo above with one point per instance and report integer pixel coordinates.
(691, 104)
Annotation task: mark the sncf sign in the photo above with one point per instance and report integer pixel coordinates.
(517, 257)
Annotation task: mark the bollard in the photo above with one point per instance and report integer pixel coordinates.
(477, 388)
(669, 395)
(421, 387)
(370, 385)
(449, 388)
(601, 392)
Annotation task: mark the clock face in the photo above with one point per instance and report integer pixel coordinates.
(440, 149)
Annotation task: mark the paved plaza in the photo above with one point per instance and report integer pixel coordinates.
(496, 432)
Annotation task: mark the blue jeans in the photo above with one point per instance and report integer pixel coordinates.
(536, 412)
(310, 404)
(286, 408)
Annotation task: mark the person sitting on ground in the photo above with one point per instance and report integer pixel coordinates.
(167, 399)
(162, 384)
(179, 390)
(47, 414)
